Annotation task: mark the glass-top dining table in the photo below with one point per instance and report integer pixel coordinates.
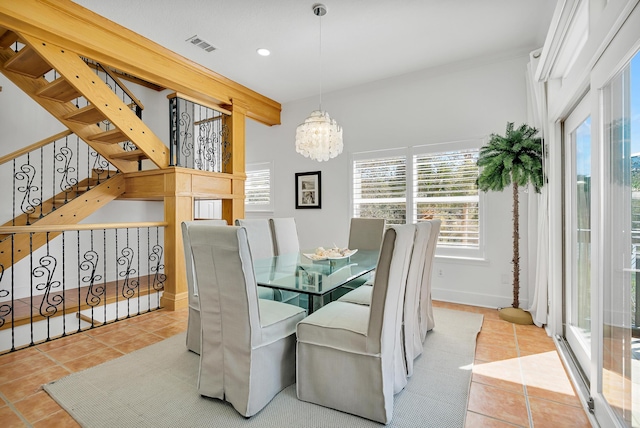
(315, 278)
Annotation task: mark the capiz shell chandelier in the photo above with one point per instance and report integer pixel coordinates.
(319, 137)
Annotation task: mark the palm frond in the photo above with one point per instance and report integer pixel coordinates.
(515, 156)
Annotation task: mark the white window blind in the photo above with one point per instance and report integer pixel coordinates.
(258, 188)
(380, 188)
(444, 187)
(436, 181)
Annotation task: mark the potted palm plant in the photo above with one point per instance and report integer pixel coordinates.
(513, 159)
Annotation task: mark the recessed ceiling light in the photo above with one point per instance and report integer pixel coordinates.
(263, 52)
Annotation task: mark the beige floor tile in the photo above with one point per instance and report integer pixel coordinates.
(59, 419)
(37, 406)
(504, 374)
(92, 359)
(138, 342)
(490, 353)
(83, 345)
(476, 420)
(28, 385)
(497, 326)
(9, 419)
(25, 367)
(498, 403)
(497, 339)
(551, 414)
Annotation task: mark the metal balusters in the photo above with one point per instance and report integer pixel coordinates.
(199, 136)
(55, 168)
(69, 278)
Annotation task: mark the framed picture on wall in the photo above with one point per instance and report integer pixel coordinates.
(308, 190)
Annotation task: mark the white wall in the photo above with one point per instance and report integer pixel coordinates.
(459, 102)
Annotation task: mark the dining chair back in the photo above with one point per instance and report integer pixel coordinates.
(193, 323)
(356, 343)
(260, 236)
(285, 241)
(366, 233)
(248, 344)
(285, 235)
(417, 281)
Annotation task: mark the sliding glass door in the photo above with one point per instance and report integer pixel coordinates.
(577, 148)
(621, 287)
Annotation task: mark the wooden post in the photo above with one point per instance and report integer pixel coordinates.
(233, 208)
(177, 208)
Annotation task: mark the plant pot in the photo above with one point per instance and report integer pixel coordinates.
(516, 316)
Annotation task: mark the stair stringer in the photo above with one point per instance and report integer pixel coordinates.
(80, 76)
(72, 212)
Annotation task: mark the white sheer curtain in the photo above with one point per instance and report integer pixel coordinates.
(538, 230)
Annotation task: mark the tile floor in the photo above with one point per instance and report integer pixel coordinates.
(518, 378)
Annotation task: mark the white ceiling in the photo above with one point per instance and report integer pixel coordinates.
(362, 40)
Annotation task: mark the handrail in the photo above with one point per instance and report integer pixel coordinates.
(7, 230)
(34, 146)
(122, 86)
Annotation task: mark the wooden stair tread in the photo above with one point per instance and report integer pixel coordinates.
(7, 38)
(59, 90)
(28, 63)
(88, 115)
(131, 155)
(113, 136)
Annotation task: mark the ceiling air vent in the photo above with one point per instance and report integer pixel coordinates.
(201, 43)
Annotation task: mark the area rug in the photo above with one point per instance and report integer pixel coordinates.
(156, 387)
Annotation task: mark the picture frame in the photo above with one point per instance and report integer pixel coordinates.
(308, 190)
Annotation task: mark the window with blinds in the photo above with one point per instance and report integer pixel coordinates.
(380, 188)
(258, 187)
(423, 183)
(444, 187)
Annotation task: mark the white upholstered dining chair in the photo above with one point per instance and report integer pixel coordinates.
(248, 344)
(418, 280)
(356, 343)
(285, 235)
(426, 303)
(261, 245)
(193, 323)
(366, 233)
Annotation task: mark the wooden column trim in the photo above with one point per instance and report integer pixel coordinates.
(176, 210)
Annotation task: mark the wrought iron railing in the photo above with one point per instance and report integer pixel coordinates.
(84, 276)
(199, 136)
(49, 174)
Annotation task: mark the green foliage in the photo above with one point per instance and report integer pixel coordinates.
(516, 156)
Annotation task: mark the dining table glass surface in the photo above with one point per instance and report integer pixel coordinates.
(297, 272)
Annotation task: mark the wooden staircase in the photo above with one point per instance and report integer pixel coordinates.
(75, 78)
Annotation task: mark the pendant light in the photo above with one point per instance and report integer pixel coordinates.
(319, 137)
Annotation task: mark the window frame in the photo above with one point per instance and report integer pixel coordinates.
(410, 153)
